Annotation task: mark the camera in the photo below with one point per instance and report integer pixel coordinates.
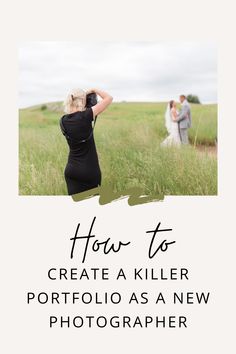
(91, 100)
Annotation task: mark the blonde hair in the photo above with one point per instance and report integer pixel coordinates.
(76, 99)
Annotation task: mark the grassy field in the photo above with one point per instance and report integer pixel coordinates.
(128, 137)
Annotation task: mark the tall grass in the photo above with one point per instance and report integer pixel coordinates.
(128, 137)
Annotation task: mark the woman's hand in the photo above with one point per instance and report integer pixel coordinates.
(90, 91)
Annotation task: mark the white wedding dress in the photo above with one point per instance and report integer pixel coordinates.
(173, 129)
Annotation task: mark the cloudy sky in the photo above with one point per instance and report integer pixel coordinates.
(130, 71)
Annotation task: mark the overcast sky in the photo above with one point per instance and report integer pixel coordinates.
(130, 71)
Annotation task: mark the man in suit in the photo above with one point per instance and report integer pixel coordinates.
(184, 119)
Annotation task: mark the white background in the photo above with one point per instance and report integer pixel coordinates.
(36, 230)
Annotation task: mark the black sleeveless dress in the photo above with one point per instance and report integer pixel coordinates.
(82, 171)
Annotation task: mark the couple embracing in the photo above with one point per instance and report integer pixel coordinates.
(177, 123)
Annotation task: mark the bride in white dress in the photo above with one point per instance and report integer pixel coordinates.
(171, 125)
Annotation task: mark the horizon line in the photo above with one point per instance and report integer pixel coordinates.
(120, 101)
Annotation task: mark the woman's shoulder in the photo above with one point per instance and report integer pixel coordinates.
(173, 111)
(87, 113)
(63, 118)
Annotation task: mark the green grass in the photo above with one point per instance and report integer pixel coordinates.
(128, 137)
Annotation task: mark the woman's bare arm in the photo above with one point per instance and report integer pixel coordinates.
(174, 115)
(103, 104)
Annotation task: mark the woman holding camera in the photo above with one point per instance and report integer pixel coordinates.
(82, 171)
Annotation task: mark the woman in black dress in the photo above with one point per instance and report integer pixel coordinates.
(82, 171)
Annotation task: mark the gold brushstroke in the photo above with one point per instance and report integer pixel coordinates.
(106, 195)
